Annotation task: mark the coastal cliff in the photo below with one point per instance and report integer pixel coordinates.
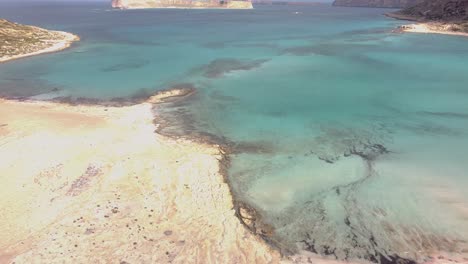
(377, 3)
(17, 41)
(141, 4)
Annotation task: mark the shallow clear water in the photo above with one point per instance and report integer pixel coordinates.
(349, 139)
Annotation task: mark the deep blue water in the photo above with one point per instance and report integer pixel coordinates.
(346, 136)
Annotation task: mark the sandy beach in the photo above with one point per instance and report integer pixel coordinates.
(432, 28)
(53, 45)
(90, 184)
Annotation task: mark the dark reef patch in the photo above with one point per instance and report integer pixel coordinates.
(214, 45)
(354, 52)
(128, 65)
(270, 46)
(21, 89)
(336, 143)
(429, 128)
(305, 50)
(257, 147)
(216, 95)
(174, 119)
(139, 96)
(446, 114)
(219, 67)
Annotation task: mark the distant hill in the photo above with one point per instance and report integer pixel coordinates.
(440, 10)
(377, 3)
(445, 15)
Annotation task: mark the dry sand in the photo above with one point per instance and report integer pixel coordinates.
(431, 28)
(95, 184)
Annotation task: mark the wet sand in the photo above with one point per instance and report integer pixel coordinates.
(93, 184)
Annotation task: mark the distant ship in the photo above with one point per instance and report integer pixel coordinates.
(201, 4)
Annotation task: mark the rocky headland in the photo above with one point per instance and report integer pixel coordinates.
(18, 41)
(185, 4)
(436, 16)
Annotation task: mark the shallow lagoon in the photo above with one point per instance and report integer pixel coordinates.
(349, 139)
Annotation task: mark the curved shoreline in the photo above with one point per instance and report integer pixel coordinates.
(241, 224)
(56, 45)
(193, 199)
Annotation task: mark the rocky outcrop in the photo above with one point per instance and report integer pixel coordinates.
(377, 3)
(141, 4)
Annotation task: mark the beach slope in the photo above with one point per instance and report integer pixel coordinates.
(96, 184)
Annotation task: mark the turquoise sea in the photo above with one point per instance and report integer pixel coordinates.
(349, 139)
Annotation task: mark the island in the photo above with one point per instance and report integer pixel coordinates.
(436, 16)
(18, 41)
(184, 4)
(377, 3)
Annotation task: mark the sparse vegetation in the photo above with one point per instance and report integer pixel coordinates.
(446, 15)
(16, 39)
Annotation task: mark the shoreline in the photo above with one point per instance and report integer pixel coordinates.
(56, 45)
(431, 28)
(193, 192)
(241, 224)
(425, 27)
